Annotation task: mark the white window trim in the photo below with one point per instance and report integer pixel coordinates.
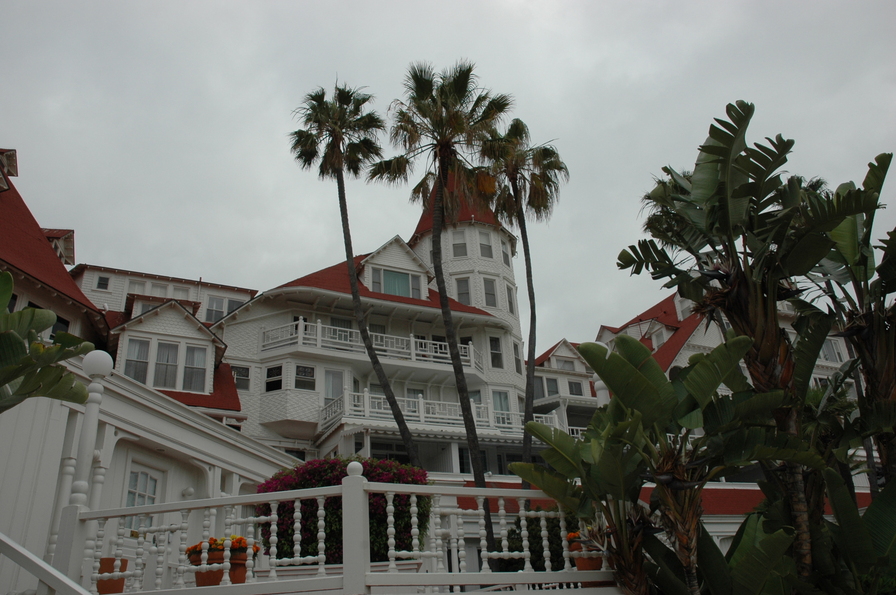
(182, 345)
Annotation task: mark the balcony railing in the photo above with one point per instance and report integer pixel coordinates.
(448, 548)
(318, 335)
(365, 405)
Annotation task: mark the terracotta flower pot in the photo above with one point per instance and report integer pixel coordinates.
(211, 578)
(587, 564)
(107, 565)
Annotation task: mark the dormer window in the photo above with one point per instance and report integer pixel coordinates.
(102, 283)
(215, 310)
(565, 364)
(396, 283)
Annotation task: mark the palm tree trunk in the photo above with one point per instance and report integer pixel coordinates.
(529, 402)
(463, 394)
(403, 429)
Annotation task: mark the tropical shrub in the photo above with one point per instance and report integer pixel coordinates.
(329, 472)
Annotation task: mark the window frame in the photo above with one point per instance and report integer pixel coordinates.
(304, 379)
(128, 360)
(505, 253)
(102, 283)
(493, 293)
(496, 355)
(517, 358)
(242, 382)
(166, 366)
(459, 246)
(511, 302)
(577, 383)
(195, 373)
(273, 382)
(461, 294)
(485, 248)
(213, 314)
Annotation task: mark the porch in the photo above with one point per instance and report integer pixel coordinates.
(447, 549)
(389, 347)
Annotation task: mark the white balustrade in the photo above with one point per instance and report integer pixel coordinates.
(434, 545)
(389, 346)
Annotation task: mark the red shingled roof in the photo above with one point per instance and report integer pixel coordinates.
(24, 245)
(335, 278)
(665, 313)
(224, 395)
(464, 214)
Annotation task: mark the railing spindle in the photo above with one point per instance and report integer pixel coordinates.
(272, 573)
(321, 537)
(390, 530)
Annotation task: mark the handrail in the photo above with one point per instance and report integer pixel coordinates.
(38, 568)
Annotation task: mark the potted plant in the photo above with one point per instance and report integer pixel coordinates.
(214, 549)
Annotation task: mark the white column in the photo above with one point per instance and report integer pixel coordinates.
(355, 531)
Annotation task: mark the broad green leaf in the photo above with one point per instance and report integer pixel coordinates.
(553, 484)
(880, 521)
(669, 574)
(877, 173)
(805, 354)
(857, 545)
(28, 319)
(712, 565)
(755, 566)
(563, 454)
(706, 376)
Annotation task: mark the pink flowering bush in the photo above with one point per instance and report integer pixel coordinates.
(328, 472)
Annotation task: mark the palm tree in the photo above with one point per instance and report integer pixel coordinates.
(747, 236)
(444, 117)
(528, 182)
(341, 135)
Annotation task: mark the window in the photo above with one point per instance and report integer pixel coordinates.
(379, 329)
(485, 244)
(505, 252)
(146, 307)
(510, 305)
(138, 287)
(500, 400)
(240, 377)
(345, 323)
(305, 378)
(494, 346)
(11, 306)
(333, 384)
(831, 351)
(159, 290)
(412, 392)
(491, 296)
(553, 386)
(517, 360)
(475, 397)
(194, 370)
(143, 488)
(396, 283)
(61, 326)
(463, 291)
(136, 363)
(102, 283)
(273, 378)
(166, 366)
(539, 387)
(181, 293)
(460, 244)
(233, 305)
(566, 364)
(215, 310)
(575, 388)
(465, 465)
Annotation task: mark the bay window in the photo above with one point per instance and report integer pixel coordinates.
(494, 347)
(136, 363)
(491, 295)
(485, 244)
(459, 246)
(463, 291)
(396, 283)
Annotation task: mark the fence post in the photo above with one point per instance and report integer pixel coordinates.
(355, 532)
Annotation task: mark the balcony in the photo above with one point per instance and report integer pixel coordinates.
(388, 347)
(366, 406)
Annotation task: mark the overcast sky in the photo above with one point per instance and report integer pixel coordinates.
(158, 130)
